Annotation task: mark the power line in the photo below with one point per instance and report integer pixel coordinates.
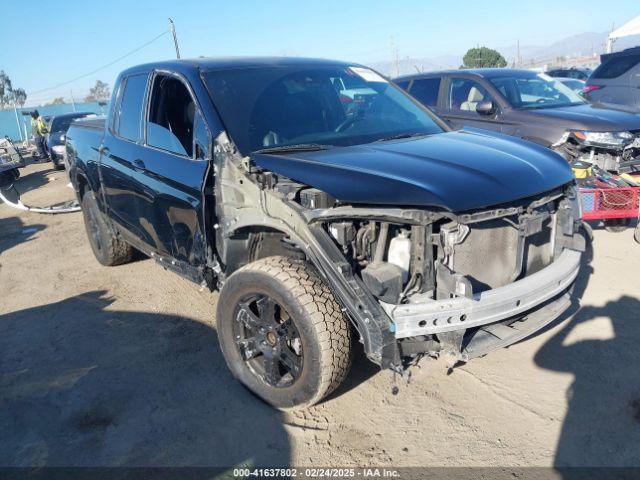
(103, 66)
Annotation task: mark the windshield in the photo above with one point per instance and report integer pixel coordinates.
(573, 84)
(61, 124)
(327, 105)
(535, 91)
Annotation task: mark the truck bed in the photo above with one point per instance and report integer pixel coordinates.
(83, 140)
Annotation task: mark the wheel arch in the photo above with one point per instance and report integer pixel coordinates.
(249, 243)
(81, 184)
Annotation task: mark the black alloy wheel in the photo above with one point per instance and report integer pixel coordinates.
(269, 341)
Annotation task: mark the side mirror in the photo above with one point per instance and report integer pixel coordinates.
(486, 107)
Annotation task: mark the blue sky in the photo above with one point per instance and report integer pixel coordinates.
(58, 41)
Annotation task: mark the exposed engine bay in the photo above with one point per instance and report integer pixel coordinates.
(617, 152)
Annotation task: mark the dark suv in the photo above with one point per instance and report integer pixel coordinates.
(532, 106)
(570, 72)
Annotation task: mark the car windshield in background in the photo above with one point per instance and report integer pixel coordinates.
(62, 124)
(326, 105)
(535, 91)
(573, 84)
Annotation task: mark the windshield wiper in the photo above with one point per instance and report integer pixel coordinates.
(300, 147)
(400, 136)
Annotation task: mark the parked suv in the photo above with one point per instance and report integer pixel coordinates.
(320, 217)
(617, 80)
(570, 72)
(534, 107)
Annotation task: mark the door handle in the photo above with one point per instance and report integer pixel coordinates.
(139, 165)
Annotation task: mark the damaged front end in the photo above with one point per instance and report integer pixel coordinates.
(462, 285)
(617, 152)
(415, 281)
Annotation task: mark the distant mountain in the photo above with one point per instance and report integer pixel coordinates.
(580, 45)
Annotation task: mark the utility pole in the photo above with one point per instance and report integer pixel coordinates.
(395, 60)
(172, 27)
(15, 110)
(73, 102)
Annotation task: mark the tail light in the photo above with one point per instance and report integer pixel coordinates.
(590, 88)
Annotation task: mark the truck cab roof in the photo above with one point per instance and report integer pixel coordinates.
(222, 63)
(479, 72)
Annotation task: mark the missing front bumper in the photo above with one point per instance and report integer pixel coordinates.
(488, 307)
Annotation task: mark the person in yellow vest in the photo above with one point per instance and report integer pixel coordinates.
(39, 132)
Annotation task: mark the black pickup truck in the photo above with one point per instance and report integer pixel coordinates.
(324, 202)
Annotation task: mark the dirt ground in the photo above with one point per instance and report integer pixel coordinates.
(121, 366)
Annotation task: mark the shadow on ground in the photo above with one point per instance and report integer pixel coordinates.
(32, 179)
(602, 424)
(84, 385)
(13, 231)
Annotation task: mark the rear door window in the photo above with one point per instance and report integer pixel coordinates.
(616, 66)
(129, 113)
(426, 90)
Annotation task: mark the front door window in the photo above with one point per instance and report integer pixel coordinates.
(465, 95)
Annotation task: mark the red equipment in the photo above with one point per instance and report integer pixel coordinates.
(610, 203)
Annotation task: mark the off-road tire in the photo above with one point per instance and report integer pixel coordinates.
(324, 330)
(108, 248)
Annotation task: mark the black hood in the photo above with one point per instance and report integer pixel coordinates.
(457, 171)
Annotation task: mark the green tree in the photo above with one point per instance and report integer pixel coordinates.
(482, 57)
(99, 93)
(57, 101)
(10, 96)
(19, 97)
(6, 90)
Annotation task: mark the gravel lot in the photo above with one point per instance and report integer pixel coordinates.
(121, 366)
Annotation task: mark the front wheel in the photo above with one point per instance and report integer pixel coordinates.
(282, 333)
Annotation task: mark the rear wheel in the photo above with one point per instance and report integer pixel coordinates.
(108, 248)
(282, 333)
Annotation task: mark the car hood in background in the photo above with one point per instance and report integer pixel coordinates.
(597, 117)
(56, 138)
(458, 171)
